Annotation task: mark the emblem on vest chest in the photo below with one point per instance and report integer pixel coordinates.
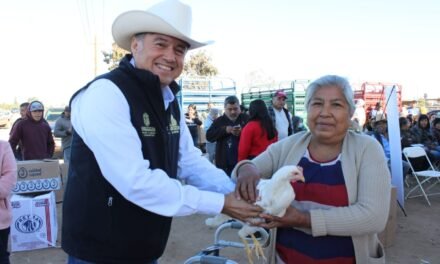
(174, 126)
(147, 129)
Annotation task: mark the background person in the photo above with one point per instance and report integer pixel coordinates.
(281, 118)
(382, 136)
(298, 125)
(128, 160)
(18, 150)
(226, 131)
(210, 146)
(34, 133)
(435, 129)
(422, 134)
(258, 133)
(193, 122)
(8, 178)
(344, 201)
(63, 129)
(359, 115)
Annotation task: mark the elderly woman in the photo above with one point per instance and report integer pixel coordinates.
(343, 203)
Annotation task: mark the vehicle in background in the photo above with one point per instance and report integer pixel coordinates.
(374, 92)
(200, 92)
(434, 112)
(51, 116)
(5, 118)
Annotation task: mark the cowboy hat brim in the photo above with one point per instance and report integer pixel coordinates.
(134, 22)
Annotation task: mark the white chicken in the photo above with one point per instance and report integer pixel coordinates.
(274, 196)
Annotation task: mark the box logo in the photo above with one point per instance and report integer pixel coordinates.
(22, 173)
(33, 172)
(28, 224)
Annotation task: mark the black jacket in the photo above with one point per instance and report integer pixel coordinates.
(99, 224)
(226, 150)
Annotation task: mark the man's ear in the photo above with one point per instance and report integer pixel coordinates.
(134, 44)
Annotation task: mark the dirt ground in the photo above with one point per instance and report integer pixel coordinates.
(417, 239)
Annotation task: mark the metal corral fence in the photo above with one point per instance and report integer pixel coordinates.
(295, 90)
(203, 91)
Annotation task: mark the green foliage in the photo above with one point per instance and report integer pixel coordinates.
(7, 106)
(114, 57)
(199, 64)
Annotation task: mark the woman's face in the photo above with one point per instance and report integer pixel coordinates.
(191, 110)
(405, 126)
(328, 114)
(424, 122)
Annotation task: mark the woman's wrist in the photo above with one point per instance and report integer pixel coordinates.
(244, 164)
(304, 220)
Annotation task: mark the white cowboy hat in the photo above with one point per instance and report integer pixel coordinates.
(168, 17)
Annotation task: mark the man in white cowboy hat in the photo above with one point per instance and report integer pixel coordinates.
(130, 146)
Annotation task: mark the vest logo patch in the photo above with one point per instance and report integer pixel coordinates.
(174, 126)
(147, 130)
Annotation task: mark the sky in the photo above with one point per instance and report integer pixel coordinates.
(48, 46)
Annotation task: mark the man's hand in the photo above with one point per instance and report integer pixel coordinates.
(240, 209)
(292, 218)
(236, 130)
(248, 177)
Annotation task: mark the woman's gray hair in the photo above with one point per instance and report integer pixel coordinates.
(331, 80)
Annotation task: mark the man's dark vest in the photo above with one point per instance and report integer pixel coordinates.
(99, 224)
(286, 112)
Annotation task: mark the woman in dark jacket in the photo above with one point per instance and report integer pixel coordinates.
(422, 133)
(435, 129)
(406, 137)
(193, 122)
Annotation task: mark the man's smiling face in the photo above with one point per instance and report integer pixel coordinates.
(161, 54)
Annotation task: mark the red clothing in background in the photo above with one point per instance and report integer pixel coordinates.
(253, 140)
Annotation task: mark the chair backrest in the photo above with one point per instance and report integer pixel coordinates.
(417, 158)
(414, 152)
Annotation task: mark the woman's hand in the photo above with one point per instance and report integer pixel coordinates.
(248, 177)
(292, 218)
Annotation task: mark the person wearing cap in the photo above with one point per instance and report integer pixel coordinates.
(63, 129)
(281, 117)
(34, 133)
(131, 149)
(381, 134)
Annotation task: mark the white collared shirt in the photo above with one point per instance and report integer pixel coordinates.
(281, 122)
(101, 116)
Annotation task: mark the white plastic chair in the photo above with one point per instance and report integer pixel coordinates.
(424, 176)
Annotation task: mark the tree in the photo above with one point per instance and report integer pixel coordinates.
(259, 79)
(199, 64)
(114, 57)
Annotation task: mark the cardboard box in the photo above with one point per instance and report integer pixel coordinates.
(37, 176)
(59, 194)
(388, 235)
(34, 221)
